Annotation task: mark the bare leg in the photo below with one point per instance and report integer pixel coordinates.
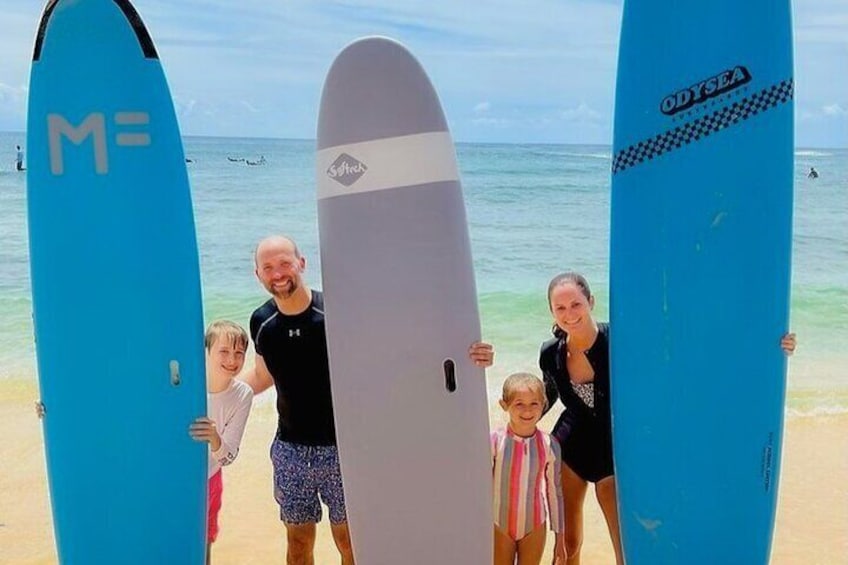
(531, 546)
(605, 492)
(574, 491)
(505, 548)
(301, 543)
(341, 535)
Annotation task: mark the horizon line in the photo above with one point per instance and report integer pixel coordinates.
(456, 141)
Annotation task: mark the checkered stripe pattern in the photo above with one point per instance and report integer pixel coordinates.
(704, 126)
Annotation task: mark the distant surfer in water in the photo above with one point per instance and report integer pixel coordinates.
(813, 174)
(261, 161)
(19, 158)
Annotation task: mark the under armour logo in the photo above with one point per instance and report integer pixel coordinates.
(293, 333)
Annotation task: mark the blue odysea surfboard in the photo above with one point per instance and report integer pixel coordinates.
(700, 272)
(116, 292)
(411, 409)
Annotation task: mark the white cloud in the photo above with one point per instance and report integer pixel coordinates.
(496, 122)
(807, 115)
(13, 103)
(835, 110)
(250, 107)
(12, 93)
(822, 22)
(823, 113)
(482, 107)
(184, 107)
(822, 126)
(581, 114)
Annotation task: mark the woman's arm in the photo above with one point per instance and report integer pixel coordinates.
(551, 389)
(553, 474)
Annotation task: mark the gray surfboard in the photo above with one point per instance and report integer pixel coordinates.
(401, 310)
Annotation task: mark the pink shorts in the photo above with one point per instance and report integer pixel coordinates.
(216, 489)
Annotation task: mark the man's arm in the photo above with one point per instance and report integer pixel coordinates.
(259, 378)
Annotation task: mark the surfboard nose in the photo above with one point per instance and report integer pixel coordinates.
(383, 82)
(77, 16)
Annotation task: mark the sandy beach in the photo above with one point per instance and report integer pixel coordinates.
(812, 521)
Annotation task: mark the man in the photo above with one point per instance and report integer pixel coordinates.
(19, 158)
(291, 354)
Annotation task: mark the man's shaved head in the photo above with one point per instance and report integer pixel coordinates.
(277, 242)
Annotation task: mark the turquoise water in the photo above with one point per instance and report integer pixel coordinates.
(534, 210)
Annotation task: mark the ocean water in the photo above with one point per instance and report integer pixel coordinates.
(534, 210)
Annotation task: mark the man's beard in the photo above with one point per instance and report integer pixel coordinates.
(286, 292)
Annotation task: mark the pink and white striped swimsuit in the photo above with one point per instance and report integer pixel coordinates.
(526, 473)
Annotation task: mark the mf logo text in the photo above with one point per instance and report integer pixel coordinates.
(131, 134)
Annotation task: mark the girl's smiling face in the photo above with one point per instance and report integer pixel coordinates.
(525, 410)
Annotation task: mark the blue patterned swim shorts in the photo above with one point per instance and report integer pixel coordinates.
(302, 474)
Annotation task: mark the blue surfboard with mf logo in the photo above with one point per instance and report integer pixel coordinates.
(116, 292)
(701, 241)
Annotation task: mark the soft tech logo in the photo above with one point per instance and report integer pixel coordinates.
(702, 91)
(346, 170)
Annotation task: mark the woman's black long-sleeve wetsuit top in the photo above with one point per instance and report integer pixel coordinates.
(584, 432)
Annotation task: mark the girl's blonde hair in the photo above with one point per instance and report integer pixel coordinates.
(523, 381)
(231, 331)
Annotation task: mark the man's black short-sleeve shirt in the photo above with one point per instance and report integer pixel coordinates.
(294, 349)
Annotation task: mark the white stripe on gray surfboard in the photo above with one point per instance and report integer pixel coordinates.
(387, 163)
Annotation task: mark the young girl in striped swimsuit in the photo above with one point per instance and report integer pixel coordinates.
(526, 469)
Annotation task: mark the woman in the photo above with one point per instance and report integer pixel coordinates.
(575, 365)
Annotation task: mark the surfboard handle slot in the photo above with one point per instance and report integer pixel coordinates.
(450, 375)
(175, 372)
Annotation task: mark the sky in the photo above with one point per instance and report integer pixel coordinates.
(513, 71)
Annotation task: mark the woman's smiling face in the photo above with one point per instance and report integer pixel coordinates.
(571, 309)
